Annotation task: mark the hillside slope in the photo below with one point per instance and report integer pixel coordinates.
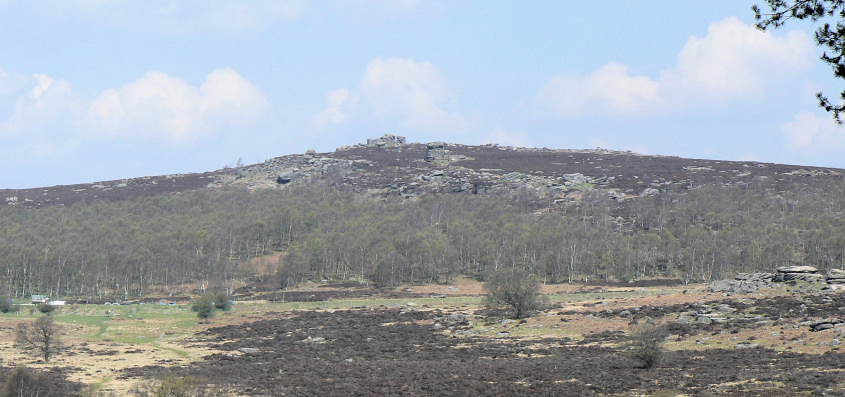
(388, 166)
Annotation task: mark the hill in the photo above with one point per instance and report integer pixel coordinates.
(389, 212)
(390, 167)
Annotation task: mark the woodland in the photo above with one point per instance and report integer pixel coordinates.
(113, 250)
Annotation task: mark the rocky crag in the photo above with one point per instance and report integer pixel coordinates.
(745, 283)
(389, 166)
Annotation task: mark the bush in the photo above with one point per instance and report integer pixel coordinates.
(177, 386)
(645, 343)
(23, 382)
(45, 308)
(6, 305)
(513, 293)
(222, 301)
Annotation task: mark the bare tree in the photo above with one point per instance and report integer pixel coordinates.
(40, 337)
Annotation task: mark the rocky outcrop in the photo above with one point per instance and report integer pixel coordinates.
(835, 276)
(706, 314)
(387, 140)
(824, 324)
(745, 283)
(435, 151)
(805, 273)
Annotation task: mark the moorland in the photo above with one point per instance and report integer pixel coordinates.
(361, 271)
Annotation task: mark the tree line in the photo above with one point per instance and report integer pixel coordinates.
(124, 249)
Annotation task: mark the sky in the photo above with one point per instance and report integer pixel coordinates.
(94, 90)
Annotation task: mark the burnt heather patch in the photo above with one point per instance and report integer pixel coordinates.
(399, 352)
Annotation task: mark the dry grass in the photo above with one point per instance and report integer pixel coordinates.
(101, 347)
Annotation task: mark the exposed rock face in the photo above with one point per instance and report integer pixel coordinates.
(806, 273)
(386, 140)
(388, 166)
(436, 151)
(283, 179)
(744, 283)
(825, 324)
(835, 276)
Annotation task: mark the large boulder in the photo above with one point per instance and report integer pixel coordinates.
(436, 151)
(743, 283)
(797, 269)
(806, 273)
(836, 276)
(722, 285)
(825, 324)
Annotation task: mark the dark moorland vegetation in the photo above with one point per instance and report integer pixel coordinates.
(123, 249)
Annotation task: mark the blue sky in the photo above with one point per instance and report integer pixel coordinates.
(106, 89)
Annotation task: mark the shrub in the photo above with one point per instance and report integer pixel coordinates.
(177, 386)
(45, 308)
(6, 305)
(645, 343)
(513, 292)
(23, 382)
(222, 301)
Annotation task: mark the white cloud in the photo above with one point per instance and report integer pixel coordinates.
(608, 90)
(161, 105)
(735, 60)
(507, 138)
(806, 131)
(395, 93)
(334, 112)
(45, 125)
(45, 107)
(732, 63)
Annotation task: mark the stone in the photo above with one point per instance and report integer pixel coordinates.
(456, 319)
(797, 269)
(721, 285)
(836, 275)
(284, 179)
(249, 350)
(822, 325)
(649, 191)
(435, 151)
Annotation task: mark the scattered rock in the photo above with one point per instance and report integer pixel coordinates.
(821, 325)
